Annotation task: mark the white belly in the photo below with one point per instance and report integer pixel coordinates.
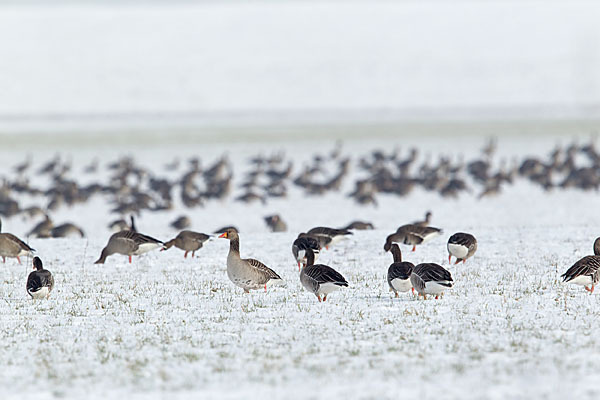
(435, 288)
(458, 250)
(24, 253)
(146, 247)
(401, 285)
(336, 239)
(327, 288)
(40, 294)
(584, 280)
(430, 236)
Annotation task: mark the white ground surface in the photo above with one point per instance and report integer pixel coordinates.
(165, 327)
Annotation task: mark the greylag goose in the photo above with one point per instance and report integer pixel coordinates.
(425, 222)
(411, 235)
(585, 272)
(335, 234)
(13, 247)
(247, 273)
(399, 272)
(40, 282)
(320, 279)
(187, 241)
(359, 225)
(301, 244)
(276, 223)
(462, 246)
(128, 243)
(430, 278)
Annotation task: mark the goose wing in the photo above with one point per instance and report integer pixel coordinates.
(400, 270)
(588, 265)
(262, 268)
(325, 274)
(17, 241)
(430, 272)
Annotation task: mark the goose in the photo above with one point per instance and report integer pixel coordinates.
(462, 246)
(324, 241)
(430, 278)
(39, 282)
(425, 222)
(13, 247)
(399, 272)
(187, 241)
(335, 234)
(359, 225)
(320, 279)
(42, 229)
(412, 235)
(182, 222)
(247, 273)
(301, 244)
(586, 271)
(66, 229)
(128, 243)
(275, 223)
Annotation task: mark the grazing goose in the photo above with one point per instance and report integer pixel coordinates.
(42, 229)
(247, 273)
(301, 244)
(359, 225)
(412, 235)
(335, 234)
(13, 247)
(66, 229)
(462, 246)
(128, 243)
(324, 241)
(40, 282)
(320, 279)
(187, 241)
(275, 223)
(399, 272)
(425, 223)
(585, 272)
(430, 278)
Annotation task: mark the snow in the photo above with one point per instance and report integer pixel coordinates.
(169, 327)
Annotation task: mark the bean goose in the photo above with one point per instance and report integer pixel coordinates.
(128, 243)
(299, 247)
(411, 235)
(586, 271)
(430, 278)
(13, 247)
(39, 282)
(320, 279)
(462, 246)
(187, 241)
(399, 272)
(247, 273)
(335, 234)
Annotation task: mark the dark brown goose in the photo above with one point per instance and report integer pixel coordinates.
(335, 234)
(40, 282)
(412, 235)
(586, 271)
(462, 246)
(300, 246)
(399, 272)
(128, 243)
(187, 241)
(430, 278)
(320, 279)
(359, 225)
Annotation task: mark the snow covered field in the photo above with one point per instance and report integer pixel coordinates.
(165, 327)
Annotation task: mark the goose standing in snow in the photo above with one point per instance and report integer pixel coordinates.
(275, 223)
(13, 247)
(128, 243)
(335, 234)
(586, 271)
(301, 244)
(247, 273)
(40, 282)
(320, 279)
(187, 241)
(399, 272)
(430, 278)
(411, 235)
(462, 246)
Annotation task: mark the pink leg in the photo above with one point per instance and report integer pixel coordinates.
(18, 259)
(129, 259)
(265, 288)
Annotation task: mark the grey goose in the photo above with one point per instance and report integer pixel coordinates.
(430, 278)
(399, 272)
(586, 271)
(128, 243)
(13, 247)
(320, 279)
(462, 246)
(187, 241)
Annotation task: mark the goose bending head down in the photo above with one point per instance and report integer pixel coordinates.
(247, 273)
(128, 243)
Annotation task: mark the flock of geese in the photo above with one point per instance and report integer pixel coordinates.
(319, 279)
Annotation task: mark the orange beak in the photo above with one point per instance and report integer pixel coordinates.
(223, 235)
